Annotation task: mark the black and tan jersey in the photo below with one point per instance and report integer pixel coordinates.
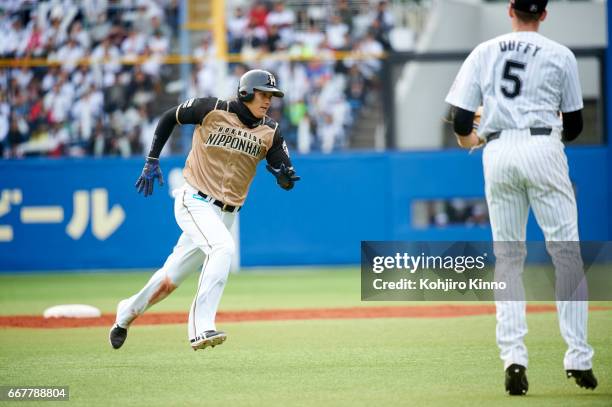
(228, 142)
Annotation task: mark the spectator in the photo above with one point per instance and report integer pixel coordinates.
(14, 39)
(304, 134)
(258, 15)
(345, 13)
(172, 14)
(372, 48)
(57, 104)
(141, 87)
(17, 134)
(355, 89)
(206, 50)
(114, 96)
(206, 81)
(23, 76)
(70, 54)
(81, 36)
(50, 78)
(273, 41)
(35, 44)
(133, 45)
(119, 145)
(157, 24)
(106, 51)
(60, 138)
(237, 26)
(312, 39)
(82, 79)
(254, 36)
(100, 140)
(147, 125)
(106, 62)
(147, 17)
(337, 33)
(151, 64)
(330, 132)
(158, 43)
(382, 24)
(94, 10)
(86, 111)
(283, 19)
(57, 32)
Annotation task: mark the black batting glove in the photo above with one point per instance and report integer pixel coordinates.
(285, 177)
(146, 180)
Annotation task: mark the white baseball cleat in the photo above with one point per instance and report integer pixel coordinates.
(208, 338)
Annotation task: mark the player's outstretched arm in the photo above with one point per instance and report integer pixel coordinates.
(279, 163)
(191, 111)
(151, 170)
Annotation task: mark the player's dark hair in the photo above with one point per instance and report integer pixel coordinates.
(525, 17)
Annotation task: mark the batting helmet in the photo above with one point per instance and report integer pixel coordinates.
(257, 79)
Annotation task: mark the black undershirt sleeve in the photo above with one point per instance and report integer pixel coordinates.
(278, 153)
(191, 111)
(463, 121)
(572, 125)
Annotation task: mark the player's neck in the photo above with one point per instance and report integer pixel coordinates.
(519, 26)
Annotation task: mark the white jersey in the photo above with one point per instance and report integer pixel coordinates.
(522, 80)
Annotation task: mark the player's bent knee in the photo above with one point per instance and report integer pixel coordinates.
(225, 248)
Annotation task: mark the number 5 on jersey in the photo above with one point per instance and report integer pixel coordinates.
(511, 70)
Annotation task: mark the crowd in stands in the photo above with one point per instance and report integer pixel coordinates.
(101, 94)
(323, 96)
(95, 68)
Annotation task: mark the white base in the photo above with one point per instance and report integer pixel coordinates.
(72, 311)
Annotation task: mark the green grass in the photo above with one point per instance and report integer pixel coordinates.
(386, 362)
(256, 289)
(304, 363)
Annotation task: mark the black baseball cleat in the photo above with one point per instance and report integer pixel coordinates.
(516, 380)
(208, 338)
(117, 336)
(584, 378)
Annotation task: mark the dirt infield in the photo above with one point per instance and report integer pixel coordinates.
(427, 311)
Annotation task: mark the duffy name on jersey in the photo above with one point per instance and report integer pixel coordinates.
(519, 46)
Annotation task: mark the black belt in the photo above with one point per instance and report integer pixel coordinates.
(224, 207)
(535, 131)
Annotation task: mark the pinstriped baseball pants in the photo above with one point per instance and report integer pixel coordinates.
(206, 244)
(523, 171)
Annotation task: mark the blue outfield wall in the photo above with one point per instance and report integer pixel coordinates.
(608, 106)
(85, 213)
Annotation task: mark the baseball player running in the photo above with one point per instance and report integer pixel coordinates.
(229, 140)
(523, 80)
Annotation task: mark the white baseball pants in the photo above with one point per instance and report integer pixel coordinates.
(206, 244)
(520, 171)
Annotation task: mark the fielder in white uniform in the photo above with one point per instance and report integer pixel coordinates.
(523, 80)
